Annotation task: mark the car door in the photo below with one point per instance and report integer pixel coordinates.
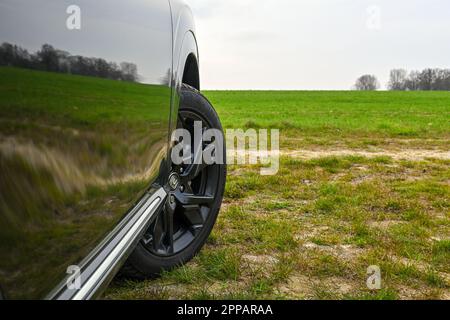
(85, 91)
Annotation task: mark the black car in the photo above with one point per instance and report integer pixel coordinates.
(89, 97)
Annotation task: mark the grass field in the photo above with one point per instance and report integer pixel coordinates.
(74, 156)
(364, 180)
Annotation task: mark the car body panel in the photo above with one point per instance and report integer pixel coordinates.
(184, 45)
(82, 140)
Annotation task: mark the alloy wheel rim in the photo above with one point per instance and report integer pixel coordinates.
(189, 203)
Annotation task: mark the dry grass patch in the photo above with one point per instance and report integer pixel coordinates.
(312, 231)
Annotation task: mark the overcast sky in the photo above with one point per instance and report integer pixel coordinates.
(317, 44)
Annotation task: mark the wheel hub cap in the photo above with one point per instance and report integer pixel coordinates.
(174, 181)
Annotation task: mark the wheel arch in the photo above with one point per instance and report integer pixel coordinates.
(186, 63)
(185, 49)
(191, 73)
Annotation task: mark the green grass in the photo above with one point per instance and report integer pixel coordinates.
(339, 118)
(325, 233)
(311, 231)
(399, 114)
(77, 101)
(76, 138)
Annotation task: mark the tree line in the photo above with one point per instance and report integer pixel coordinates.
(50, 59)
(402, 80)
(425, 80)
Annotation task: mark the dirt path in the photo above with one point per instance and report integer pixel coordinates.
(404, 154)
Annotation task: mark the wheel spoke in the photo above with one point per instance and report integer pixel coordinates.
(193, 215)
(188, 188)
(190, 199)
(168, 226)
(158, 233)
(192, 172)
(198, 164)
(195, 230)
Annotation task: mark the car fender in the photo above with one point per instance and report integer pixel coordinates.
(184, 45)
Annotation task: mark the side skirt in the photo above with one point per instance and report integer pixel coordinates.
(105, 261)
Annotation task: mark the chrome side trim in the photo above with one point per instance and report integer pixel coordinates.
(112, 252)
(102, 272)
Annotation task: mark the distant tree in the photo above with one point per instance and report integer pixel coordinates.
(115, 72)
(6, 54)
(167, 78)
(445, 80)
(11, 55)
(129, 71)
(102, 68)
(79, 65)
(426, 79)
(54, 60)
(63, 61)
(440, 79)
(413, 81)
(48, 57)
(367, 83)
(398, 79)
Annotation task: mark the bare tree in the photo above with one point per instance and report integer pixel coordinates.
(397, 81)
(425, 80)
(367, 83)
(413, 81)
(51, 59)
(129, 71)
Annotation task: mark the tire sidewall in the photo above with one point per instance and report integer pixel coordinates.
(142, 259)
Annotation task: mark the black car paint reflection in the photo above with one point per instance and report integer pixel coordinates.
(77, 149)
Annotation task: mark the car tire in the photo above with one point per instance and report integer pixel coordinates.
(145, 261)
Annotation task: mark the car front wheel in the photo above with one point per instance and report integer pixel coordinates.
(184, 223)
